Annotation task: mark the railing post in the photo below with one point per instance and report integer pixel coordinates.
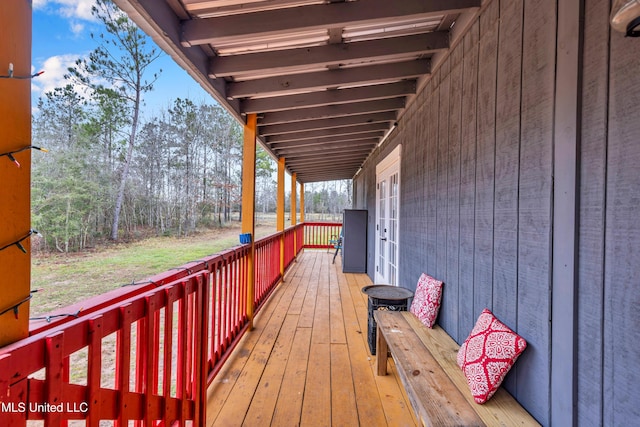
(248, 205)
(302, 212)
(301, 202)
(280, 212)
(15, 170)
(293, 210)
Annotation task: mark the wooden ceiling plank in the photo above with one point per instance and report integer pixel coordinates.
(333, 133)
(338, 154)
(272, 22)
(341, 145)
(328, 97)
(383, 117)
(327, 161)
(333, 54)
(320, 80)
(337, 160)
(328, 140)
(328, 111)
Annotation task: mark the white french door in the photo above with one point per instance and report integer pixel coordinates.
(387, 216)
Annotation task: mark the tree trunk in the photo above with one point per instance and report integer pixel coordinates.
(127, 164)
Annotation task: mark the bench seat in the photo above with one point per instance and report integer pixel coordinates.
(437, 389)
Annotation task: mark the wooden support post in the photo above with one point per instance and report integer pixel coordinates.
(301, 215)
(248, 205)
(280, 212)
(301, 202)
(294, 211)
(15, 190)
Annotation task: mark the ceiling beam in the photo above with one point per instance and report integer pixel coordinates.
(328, 160)
(335, 177)
(328, 111)
(273, 22)
(351, 169)
(329, 78)
(327, 97)
(283, 61)
(355, 151)
(328, 140)
(340, 169)
(328, 147)
(361, 150)
(346, 172)
(358, 158)
(214, 8)
(384, 117)
(333, 133)
(327, 168)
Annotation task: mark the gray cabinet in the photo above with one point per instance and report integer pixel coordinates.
(354, 241)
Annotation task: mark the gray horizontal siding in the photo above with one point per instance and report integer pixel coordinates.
(477, 198)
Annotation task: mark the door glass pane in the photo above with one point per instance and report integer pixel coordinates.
(393, 224)
(381, 227)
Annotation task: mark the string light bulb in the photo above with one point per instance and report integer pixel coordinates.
(10, 155)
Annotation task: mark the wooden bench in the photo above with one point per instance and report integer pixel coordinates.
(437, 389)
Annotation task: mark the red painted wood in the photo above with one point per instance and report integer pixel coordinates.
(123, 361)
(53, 386)
(94, 372)
(206, 300)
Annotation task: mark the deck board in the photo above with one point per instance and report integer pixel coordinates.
(307, 360)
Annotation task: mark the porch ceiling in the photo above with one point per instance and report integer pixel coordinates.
(327, 78)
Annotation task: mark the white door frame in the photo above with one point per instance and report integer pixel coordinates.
(387, 168)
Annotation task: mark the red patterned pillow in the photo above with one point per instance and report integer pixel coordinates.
(426, 300)
(487, 355)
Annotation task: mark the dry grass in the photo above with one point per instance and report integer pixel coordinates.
(64, 279)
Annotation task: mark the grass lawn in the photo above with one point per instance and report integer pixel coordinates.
(63, 279)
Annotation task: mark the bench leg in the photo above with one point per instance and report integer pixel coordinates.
(381, 352)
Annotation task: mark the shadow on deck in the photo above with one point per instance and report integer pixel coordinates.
(307, 361)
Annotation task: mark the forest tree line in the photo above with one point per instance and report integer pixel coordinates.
(185, 174)
(114, 170)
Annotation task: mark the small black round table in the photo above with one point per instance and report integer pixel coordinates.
(384, 297)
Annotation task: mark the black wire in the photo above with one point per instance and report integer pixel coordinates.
(10, 154)
(19, 241)
(15, 306)
(53, 316)
(31, 76)
(145, 282)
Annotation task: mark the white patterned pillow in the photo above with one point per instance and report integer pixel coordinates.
(488, 354)
(426, 300)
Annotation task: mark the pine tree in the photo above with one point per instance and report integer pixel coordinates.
(120, 62)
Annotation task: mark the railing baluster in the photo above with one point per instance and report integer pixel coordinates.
(171, 296)
(123, 363)
(94, 372)
(201, 334)
(54, 355)
(181, 387)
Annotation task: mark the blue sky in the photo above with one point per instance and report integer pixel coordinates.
(62, 34)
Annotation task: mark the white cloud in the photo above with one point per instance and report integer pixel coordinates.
(54, 68)
(76, 28)
(73, 9)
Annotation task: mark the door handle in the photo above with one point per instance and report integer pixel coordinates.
(384, 239)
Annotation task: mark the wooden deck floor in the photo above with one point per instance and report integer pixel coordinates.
(307, 361)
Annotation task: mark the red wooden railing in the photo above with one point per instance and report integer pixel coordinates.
(319, 234)
(145, 352)
(152, 393)
(267, 267)
(289, 246)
